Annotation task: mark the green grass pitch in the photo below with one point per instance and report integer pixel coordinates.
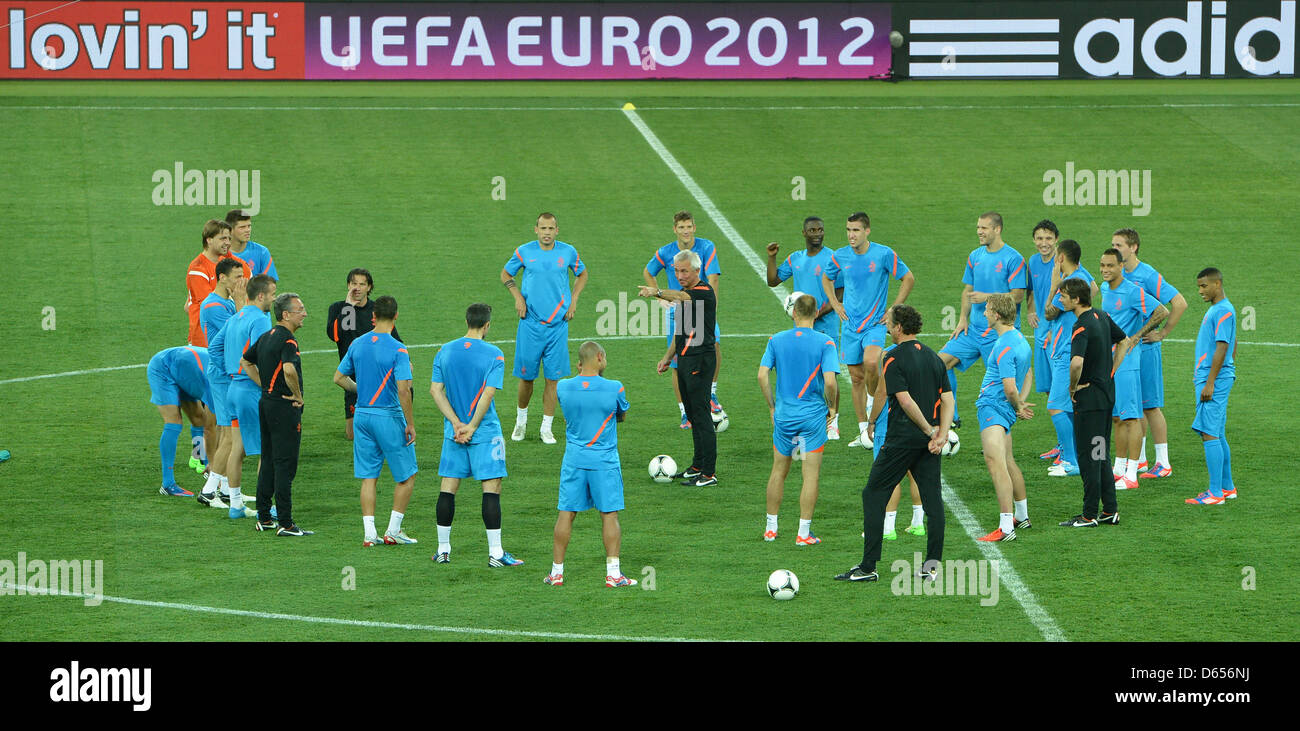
(399, 178)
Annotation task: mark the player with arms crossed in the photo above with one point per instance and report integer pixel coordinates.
(385, 424)
(993, 268)
(1213, 375)
(1130, 309)
(218, 307)
(662, 261)
(1127, 243)
(591, 474)
(545, 305)
(1003, 399)
(1040, 268)
(865, 268)
(467, 373)
(805, 267)
(1060, 407)
(806, 366)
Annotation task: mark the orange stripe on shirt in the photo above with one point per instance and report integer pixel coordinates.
(553, 313)
(808, 382)
(870, 316)
(1226, 315)
(273, 376)
(474, 403)
(895, 274)
(212, 304)
(245, 350)
(1160, 281)
(1075, 334)
(936, 407)
(1198, 360)
(336, 331)
(601, 429)
(195, 353)
(886, 366)
(381, 387)
(998, 360)
(1017, 271)
(712, 256)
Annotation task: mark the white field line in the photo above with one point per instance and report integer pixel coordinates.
(794, 108)
(1033, 610)
(511, 341)
(353, 622)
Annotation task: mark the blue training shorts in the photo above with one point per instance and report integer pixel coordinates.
(1059, 397)
(582, 489)
(241, 401)
(545, 344)
(379, 436)
(1042, 364)
(1212, 416)
(220, 390)
(830, 327)
(854, 343)
(810, 434)
(1153, 378)
(969, 348)
(995, 415)
(485, 460)
(1128, 400)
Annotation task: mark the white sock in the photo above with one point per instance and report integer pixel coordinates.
(1162, 454)
(1021, 508)
(214, 481)
(546, 422)
(771, 522)
(1132, 471)
(713, 391)
(395, 522)
(494, 543)
(444, 539)
(521, 415)
(611, 567)
(918, 515)
(1005, 523)
(235, 498)
(871, 401)
(681, 407)
(1143, 456)
(862, 428)
(836, 421)
(557, 569)
(368, 521)
(890, 520)
(1121, 465)
(225, 485)
(805, 527)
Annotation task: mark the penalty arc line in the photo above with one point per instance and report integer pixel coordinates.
(347, 622)
(1007, 575)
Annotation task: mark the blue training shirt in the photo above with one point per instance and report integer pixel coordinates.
(1040, 280)
(802, 357)
(807, 273)
(866, 281)
(1218, 326)
(591, 407)
(186, 365)
(214, 313)
(1145, 276)
(1128, 308)
(662, 261)
(546, 285)
(1011, 357)
(241, 331)
(377, 361)
(259, 260)
(465, 367)
(1059, 334)
(994, 272)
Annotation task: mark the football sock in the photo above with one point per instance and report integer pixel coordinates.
(167, 451)
(492, 511)
(1214, 464)
(368, 522)
(862, 428)
(918, 515)
(197, 444)
(805, 527)
(1005, 523)
(1021, 509)
(836, 421)
(225, 485)
(681, 407)
(235, 498)
(1142, 457)
(1162, 454)
(546, 422)
(394, 522)
(494, 543)
(557, 569)
(713, 391)
(1227, 482)
(952, 383)
(210, 487)
(890, 520)
(446, 510)
(1064, 423)
(1121, 465)
(521, 415)
(444, 538)
(771, 522)
(1132, 471)
(611, 567)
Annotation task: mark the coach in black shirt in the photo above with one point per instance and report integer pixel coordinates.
(697, 359)
(920, 410)
(274, 365)
(349, 319)
(1092, 388)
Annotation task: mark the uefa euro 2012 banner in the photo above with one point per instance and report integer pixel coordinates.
(357, 41)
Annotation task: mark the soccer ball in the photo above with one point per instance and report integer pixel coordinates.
(720, 421)
(782, 585)
(789, 302)
(662, 468)
(953, 446)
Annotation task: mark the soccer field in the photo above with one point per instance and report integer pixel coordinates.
(431, 186)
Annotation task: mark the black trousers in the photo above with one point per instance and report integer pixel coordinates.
(281, 424)
(1092, 443)
(887, 471)
(695, 379)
